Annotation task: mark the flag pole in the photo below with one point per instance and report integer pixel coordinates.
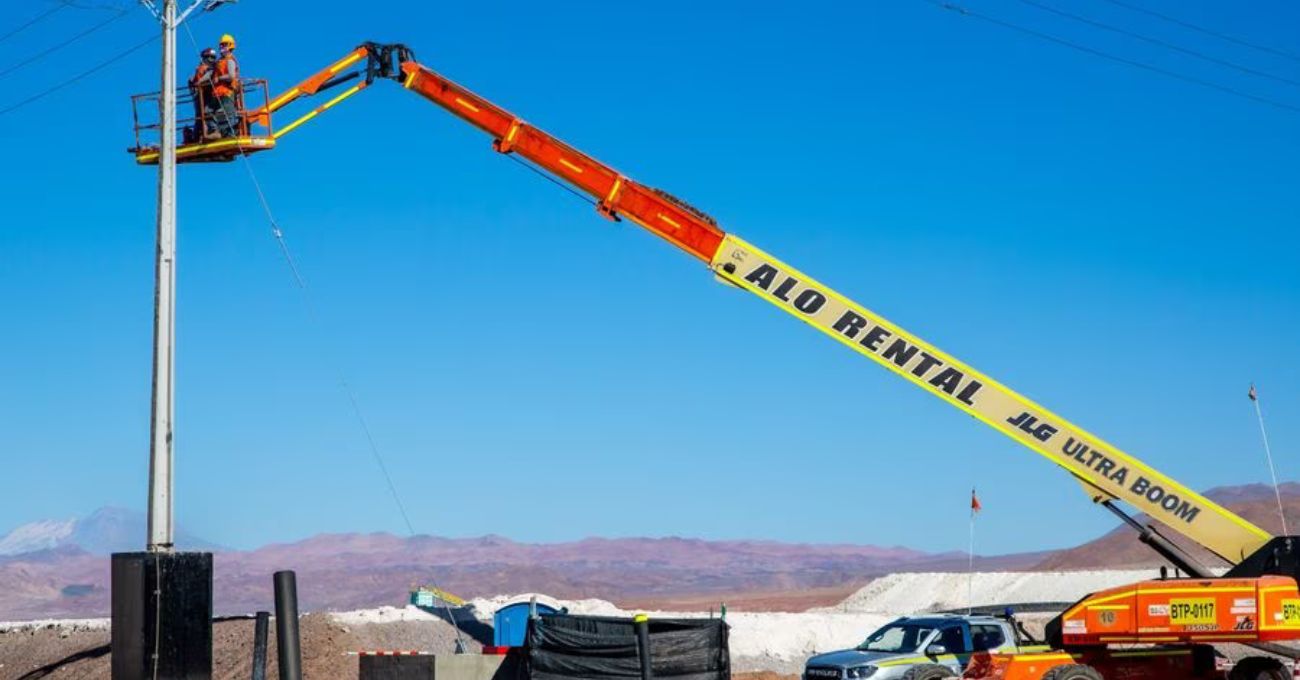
(970, 556)
(1268, 453)
(970, 567)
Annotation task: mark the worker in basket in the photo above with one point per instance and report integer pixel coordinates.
(226, 88)
(205, 102)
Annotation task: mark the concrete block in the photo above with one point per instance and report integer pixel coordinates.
(466, 666)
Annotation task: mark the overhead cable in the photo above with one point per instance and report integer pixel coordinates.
(1161, 43)
(1225, 89)
(310, 303)
(51, 50)
(31, 22)
(1210, 32)
(344, 384)
(88, 72)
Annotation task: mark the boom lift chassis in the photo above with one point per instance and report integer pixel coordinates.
(1255, 603)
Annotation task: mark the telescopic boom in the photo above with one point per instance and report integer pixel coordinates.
(1107, 473)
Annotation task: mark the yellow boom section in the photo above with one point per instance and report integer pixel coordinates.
(1099, 464)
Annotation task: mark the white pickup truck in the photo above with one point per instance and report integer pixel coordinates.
(922, 647)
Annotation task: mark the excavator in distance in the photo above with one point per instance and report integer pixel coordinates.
(1255, 603)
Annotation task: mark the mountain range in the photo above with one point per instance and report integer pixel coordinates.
(59, 568)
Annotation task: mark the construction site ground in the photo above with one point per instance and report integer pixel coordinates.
(329, 649)
(765, 645)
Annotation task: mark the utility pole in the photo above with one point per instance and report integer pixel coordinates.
(162, 599)
(161, 455)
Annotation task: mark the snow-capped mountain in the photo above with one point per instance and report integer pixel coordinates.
(41, 535)
(104, 531)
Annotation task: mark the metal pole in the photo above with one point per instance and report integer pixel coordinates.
(970, 555)
(288, 650)
(164, 308)
(970, 567)
(642, 624)
(259, 645)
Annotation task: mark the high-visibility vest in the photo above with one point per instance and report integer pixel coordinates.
(227, 76)
(201, 75)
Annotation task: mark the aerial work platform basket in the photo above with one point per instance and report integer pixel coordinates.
(206, 131)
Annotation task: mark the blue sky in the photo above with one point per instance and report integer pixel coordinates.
(1117, 245)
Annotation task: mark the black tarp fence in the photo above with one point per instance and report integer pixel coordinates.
(566, 647)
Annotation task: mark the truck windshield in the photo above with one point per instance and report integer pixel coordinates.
(897, 637)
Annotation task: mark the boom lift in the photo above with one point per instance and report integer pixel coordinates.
(1254, 603)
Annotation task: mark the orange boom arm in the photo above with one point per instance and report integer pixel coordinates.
(616, 195)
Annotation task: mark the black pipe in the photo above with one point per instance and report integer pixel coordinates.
(259, 645)
(337, 80)
(286, 625)
(1166, 549)
(642, 623)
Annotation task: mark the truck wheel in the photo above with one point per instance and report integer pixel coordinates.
(1072, 671)
(1258, 668)
(933, 671)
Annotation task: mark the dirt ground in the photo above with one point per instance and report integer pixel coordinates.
(763, 675)
(49, 653)
(329, 649)
(44, 653)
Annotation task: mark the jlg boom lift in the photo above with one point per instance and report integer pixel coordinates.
(1256, 602)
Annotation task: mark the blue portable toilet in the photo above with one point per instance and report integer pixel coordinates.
(510, 623)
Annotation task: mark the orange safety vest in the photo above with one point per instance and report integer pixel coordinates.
(227, 77)
(200, 76)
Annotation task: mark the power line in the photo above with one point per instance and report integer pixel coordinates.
(1161, 43)
(115, 5)
(315, 317)
(32, 22)
(962, 10)
(1206, 31)
(1268, 451)
(51, 50)
(88, 72)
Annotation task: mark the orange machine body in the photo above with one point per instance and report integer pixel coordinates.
(1259, 609)
(1188, 662)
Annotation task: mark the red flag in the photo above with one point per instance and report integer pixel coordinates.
(1251, 393)
(974, 503)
